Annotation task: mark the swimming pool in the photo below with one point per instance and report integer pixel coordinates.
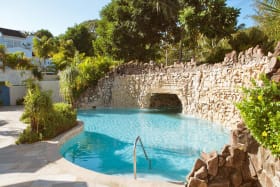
(172, 141)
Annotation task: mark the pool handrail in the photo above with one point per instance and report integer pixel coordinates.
(134, 155)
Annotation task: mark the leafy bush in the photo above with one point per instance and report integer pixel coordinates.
(61, 119)
(82, 73)
(37, 106)
(46, 120)
(28, 136)
(260, 110)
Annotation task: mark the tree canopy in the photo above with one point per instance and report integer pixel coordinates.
(82, 38)
(138, 29)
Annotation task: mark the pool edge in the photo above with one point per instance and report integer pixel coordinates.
(93, 177)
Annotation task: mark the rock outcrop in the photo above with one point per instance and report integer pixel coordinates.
(244, 163)
(205, 91)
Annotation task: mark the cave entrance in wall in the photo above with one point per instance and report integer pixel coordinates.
(167, 102)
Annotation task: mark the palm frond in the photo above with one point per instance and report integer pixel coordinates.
(272, 6)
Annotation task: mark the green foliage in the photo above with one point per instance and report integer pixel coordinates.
(46, 120)
(43, 47)
(136, 28)
(43, 33)
(67, 83)
(260, 110)
(244, 39)
(15, 60)
(83, 72)
(82, 38)
(63, 57)
(212, 18)
(37, 74)
(60, 120)
(212, 50)
(37, 106)
(92, 69)
(267, 17)
(272, 6)
(28, 136)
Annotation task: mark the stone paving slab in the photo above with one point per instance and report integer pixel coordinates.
(40, 164)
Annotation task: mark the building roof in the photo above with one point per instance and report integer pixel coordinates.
(10, 32)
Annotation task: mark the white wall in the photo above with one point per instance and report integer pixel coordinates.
(15, 77)
(16, 92)
(54, 87)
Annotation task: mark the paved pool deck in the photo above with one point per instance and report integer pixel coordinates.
(40, 164)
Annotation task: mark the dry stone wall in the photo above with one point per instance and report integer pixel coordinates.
(205, 91)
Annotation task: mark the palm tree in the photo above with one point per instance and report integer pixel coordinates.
(272, 6)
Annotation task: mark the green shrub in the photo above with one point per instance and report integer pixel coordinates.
(260, 110)
(28, 136)
(62, 119)
(46, 120)
(37, 106)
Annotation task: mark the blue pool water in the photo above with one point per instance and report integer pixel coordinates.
(172, 141)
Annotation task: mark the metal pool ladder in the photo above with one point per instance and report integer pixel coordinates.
(134, 155)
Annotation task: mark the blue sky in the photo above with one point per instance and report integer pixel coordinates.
(58, 15)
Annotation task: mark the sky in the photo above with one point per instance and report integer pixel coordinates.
(57, 15)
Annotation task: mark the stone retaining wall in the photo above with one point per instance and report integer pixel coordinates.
(244, 163)
(205, 91)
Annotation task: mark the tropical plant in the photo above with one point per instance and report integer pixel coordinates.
(82, 38)
(37, 106)
(214, 19)
(272, 6)
(131, 36)
(267, 16)
(212, 50)
(18, 60)
(63, 57)
(246, 38)
(68, 83)
(43, 48)
(46, 120)
(260, 110)
(43, 33)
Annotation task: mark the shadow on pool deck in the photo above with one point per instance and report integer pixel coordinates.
(48, 183)
(27, 158)
(3, 122)
(40, 164)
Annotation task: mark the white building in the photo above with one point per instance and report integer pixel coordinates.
(15, 41)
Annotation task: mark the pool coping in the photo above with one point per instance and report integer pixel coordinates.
(100, 178)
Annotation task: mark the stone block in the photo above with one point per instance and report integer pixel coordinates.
(221, 183)
(212, 164)
(194, 182)
(222, 161)
(201, 173)
(236, 178)
(197, 165)
(225, 151)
